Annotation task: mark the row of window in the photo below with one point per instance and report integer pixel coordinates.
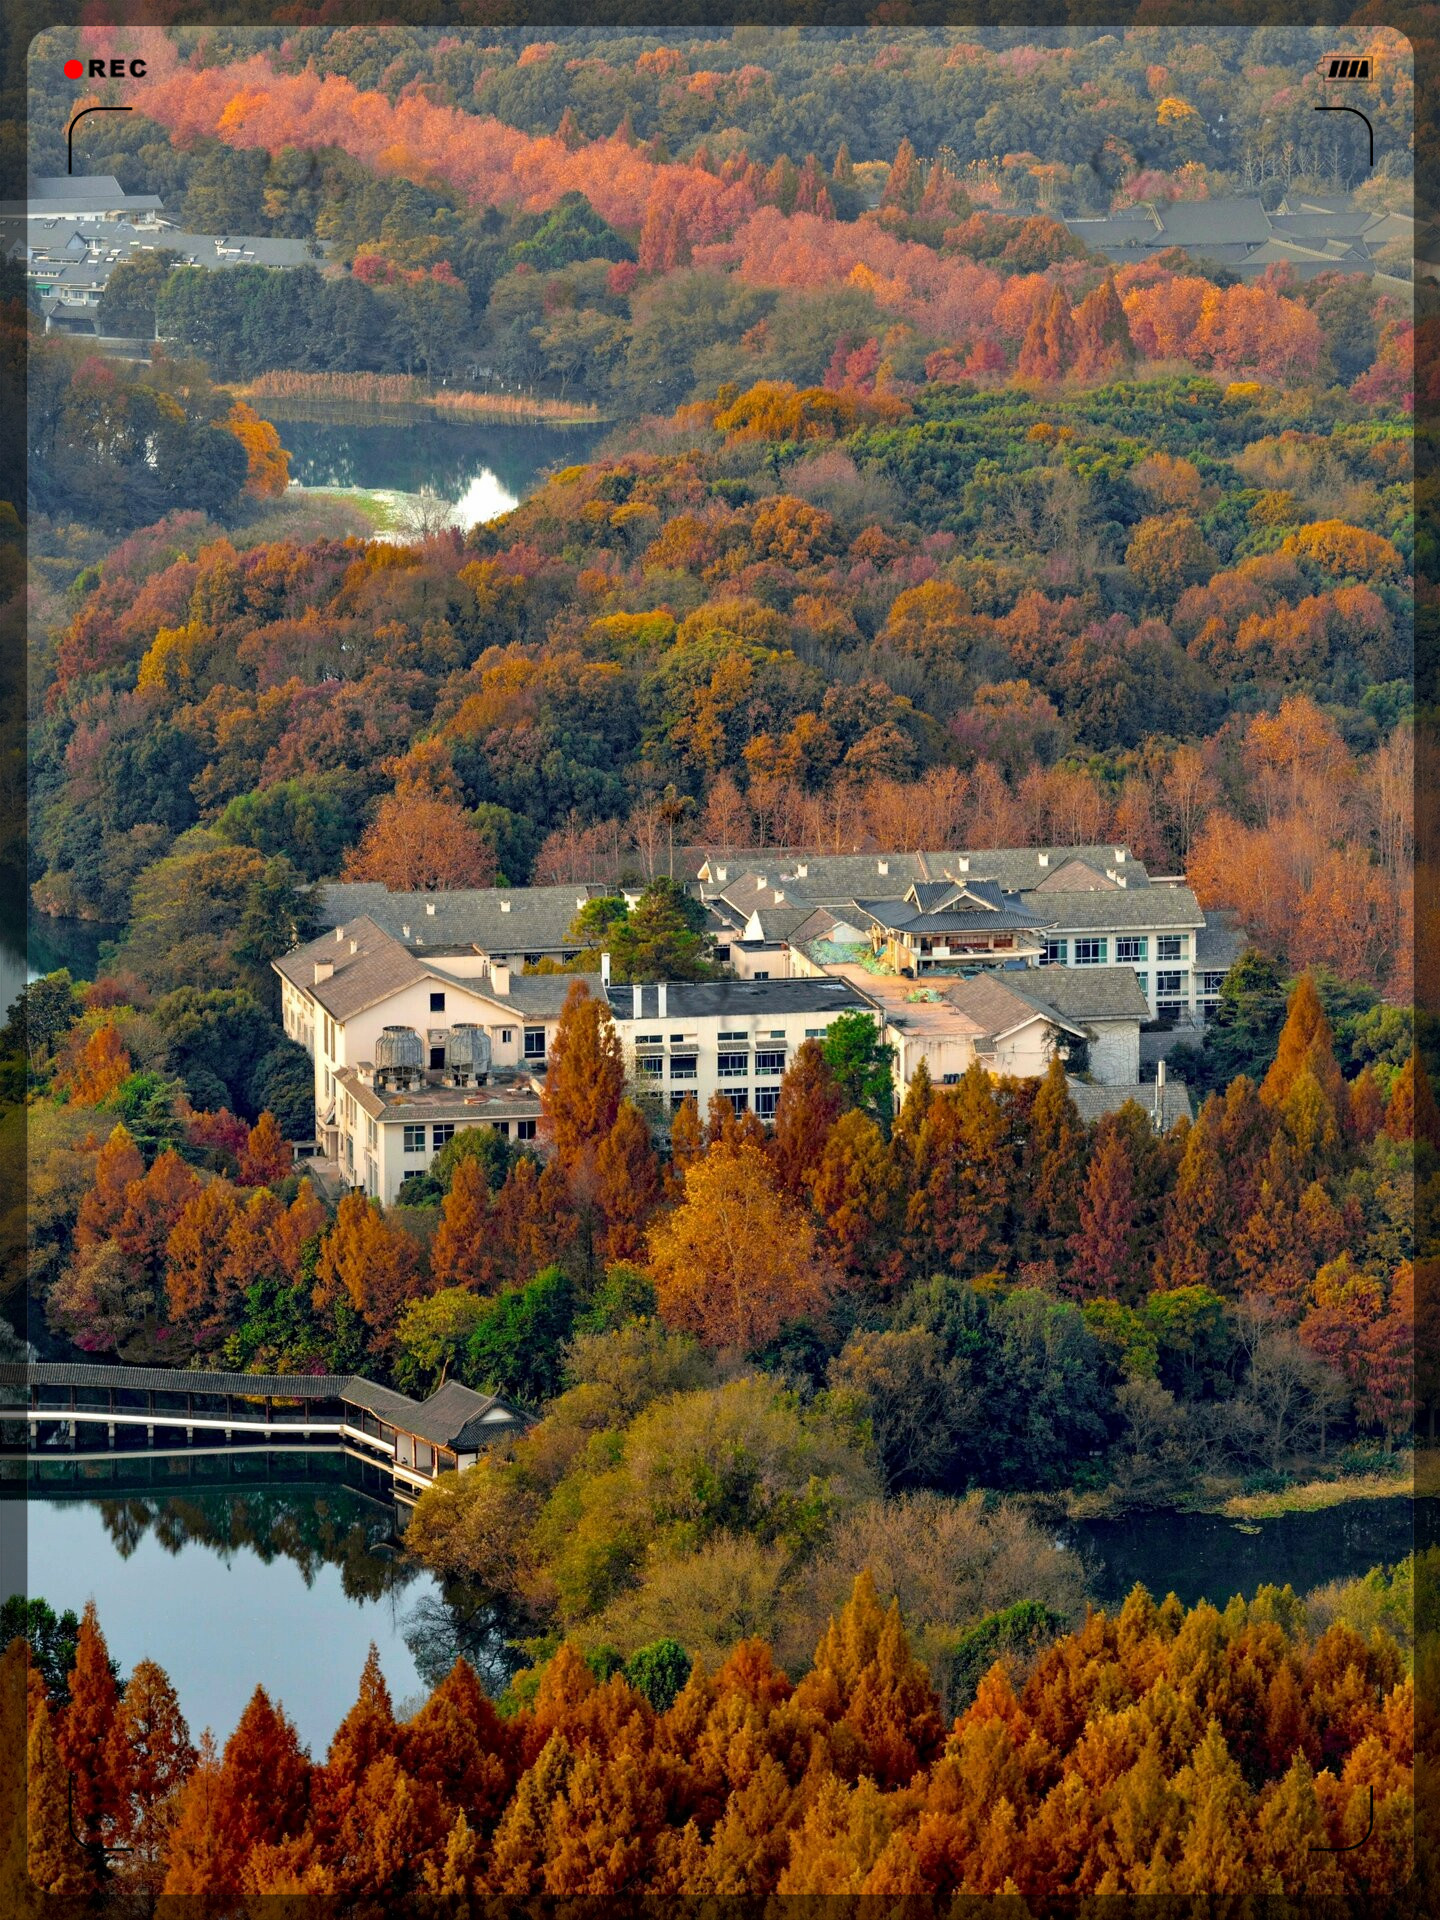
(766, 1100)
(1093, 950)
(442, 1132)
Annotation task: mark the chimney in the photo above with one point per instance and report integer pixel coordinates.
(802, 871)
(499, 978)
(660, 998)
(354, 946)
(637, 1002)
(882, 867)
(760, 883)
(1121, 856)
(404, 933)
(504, 906)
(339, 935)
(604, 973)
(963, 863)
(722, 874)
(430, 908)
(779, 898)
(1043, 858)
(323, 970)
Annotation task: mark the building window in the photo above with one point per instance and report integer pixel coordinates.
(1091, 953)
(684, 1066)
(1057, 952)
(437, 1003)
(415, 1139)
(652, 1065)
(815, 1033)
(1212, 982)
(766, 1100)
(1142, 980)
(524, 1129)
(1170, 946)
(534, 1043)
(437, 1059)
(507, 1036)
(677, 1100)
(1132, 946)
(370, 1134)
(739, 1100)
(442, 1133)
(770, 1060)
(722, 955)
(649, 1039)
(739, 1033)
(732, 1066)
(1168, 983)
(761, 974)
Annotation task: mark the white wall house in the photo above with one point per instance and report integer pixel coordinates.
(340, 993)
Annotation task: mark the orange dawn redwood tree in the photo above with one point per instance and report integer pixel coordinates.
(585, 1079)
(736, 1260)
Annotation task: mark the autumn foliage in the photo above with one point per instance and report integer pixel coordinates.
(1157, 1747)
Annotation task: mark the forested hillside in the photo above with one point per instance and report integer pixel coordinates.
(906, 521)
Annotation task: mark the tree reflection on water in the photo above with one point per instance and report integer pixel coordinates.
(328, 1522)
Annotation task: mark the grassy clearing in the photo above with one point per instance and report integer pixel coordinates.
(1311, 1496)
(381, 390)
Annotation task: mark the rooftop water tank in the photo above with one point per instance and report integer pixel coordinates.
(398, 1050)
(468, 1050)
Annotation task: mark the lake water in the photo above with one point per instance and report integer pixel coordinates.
(244, 1569)
(281, 1569)
(479, 471)
(1207, 1556)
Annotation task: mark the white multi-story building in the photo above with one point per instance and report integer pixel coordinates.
(481, 1034)
(734, 1037)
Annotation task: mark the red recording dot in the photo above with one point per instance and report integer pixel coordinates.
(74, 69)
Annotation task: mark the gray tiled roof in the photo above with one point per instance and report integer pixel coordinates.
(453, 1416)
(1129, 907)
(740, 999)
(378, 967)
(831, 877)
(1220, 942)
(1086, 993)
(494, 919)
(382, 965)
(1094, 1102)
(903, 916)
(997, 1004)
(289, 1386)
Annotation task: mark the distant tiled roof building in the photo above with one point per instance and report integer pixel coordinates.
(1312, 233)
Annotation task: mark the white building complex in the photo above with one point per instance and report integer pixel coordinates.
(421, 1018)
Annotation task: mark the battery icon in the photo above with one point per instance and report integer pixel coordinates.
(1342, 66)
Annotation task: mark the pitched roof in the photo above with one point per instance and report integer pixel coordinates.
(1140, 907)
(287, 1386)
(377, 967)
(991, 1004)
(1220, 942)
(453, 1416)
(1094, 1102)
(494, 919)
(1078, 876)
(1086, 993)
(737, 999)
